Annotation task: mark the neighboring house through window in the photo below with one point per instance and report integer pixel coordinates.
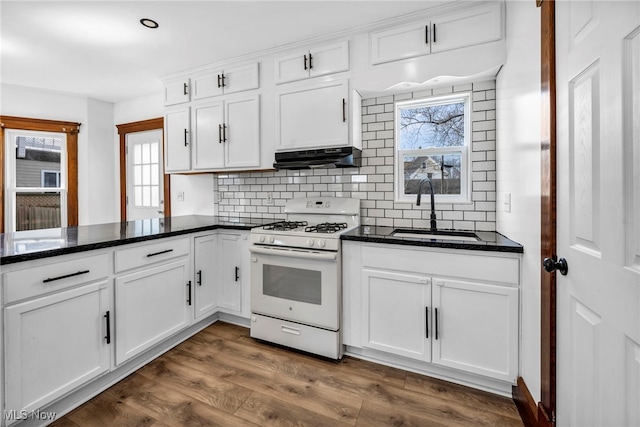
(432, 141)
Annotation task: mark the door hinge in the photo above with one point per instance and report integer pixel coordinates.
(553, 417)
(127, 201)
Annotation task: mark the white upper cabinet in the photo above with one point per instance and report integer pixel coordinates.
(217, 82)
(207, 149)
(177, 91)
(306, 63)
(310, 116)
(177, 140)
(466, 27)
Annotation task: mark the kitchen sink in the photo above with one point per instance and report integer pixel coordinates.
(459, 236)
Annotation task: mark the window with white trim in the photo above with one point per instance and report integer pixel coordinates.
(432, 139)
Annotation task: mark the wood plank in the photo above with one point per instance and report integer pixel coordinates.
(329, 403)
(374, 415)
(268, 411)
(464, 395)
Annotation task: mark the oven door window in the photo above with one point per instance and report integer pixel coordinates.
(294, 284)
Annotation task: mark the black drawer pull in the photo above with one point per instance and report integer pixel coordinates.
(434, 33)
(310, 62)
(159, 253)
(189, 292)
(305, 62)
(184, 89)
(199, 277)
(237, 273)
(426, 34)
(108, 336)
(53, 279)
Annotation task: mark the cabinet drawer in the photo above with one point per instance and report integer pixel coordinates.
(57, 274)
(150, 253)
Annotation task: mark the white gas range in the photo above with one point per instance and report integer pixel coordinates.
(296, 285)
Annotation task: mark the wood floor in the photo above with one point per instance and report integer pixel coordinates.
(223, 377)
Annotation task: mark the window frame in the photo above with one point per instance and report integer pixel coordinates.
(11, 187)
(58, 175)
(465, 158)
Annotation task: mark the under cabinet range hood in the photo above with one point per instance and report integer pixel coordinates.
(343, 157)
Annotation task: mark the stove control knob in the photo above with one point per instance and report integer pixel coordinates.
(311, 242)
(261, 239)
(272, 239)
(322, 243)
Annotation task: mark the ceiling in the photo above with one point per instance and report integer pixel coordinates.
(99, 49)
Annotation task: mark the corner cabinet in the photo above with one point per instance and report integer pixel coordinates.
(210, 132)
(464, 27)
(205, 270)
(233, 273)
(318, 115)
(456, 310)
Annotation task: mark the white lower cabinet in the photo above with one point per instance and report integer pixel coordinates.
(455, 311)
(233, 273)
(55, 343)
(395, 313)
(152, 305)
(206, 280)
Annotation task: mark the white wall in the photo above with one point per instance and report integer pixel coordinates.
(94, 150)
(518, 164)
(197, 190)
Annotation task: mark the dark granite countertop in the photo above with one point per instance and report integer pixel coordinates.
(490, 240)
(35, 244)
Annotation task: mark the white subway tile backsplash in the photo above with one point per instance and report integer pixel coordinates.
(244, 194)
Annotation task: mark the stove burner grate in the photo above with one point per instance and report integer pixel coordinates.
(285, 225)
(326, 227)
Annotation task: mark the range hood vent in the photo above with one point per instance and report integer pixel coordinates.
(344, 157)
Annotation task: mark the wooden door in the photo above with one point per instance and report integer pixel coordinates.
(397, 313)
(145, 175)
(598, 143)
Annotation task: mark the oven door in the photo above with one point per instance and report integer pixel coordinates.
(299, 285)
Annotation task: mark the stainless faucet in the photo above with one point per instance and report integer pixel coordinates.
(433, 203)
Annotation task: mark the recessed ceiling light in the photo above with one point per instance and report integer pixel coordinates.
(149, 23)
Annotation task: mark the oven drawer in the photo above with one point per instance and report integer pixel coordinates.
(302, 337)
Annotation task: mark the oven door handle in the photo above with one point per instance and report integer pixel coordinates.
(322, 256)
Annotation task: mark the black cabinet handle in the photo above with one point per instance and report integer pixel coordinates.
(108, 320)
(224, 132)
(305, 62)
(220, 134)
(237, 273)
(426, 316)
(53, 279)
(436, 323)
(344, 110)
(184, 89)
(223, 83)
(434, 33)
(426, 34)
(199, 277)
(189, 292)
(219, 81)
(159, 253)
(185, 137)
(310, 61)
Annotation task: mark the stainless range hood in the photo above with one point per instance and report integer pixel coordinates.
(343, 157)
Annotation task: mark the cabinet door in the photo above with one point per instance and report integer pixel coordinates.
(206, 84)
(329, 59)
(242, 132)
(466, 27)
(241, 78)
(292, 67)
(153, 304)
(176, 91)
(396, 313)
(403, 42)
(177, 148)
(312, 116)
(207, 145)
(477, 328)
(229, 273)
(205, 275)
(55, 344)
